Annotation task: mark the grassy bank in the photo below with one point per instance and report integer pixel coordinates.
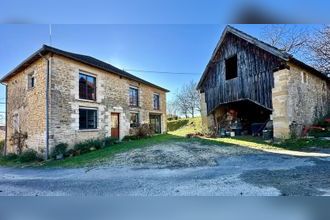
(181, 127)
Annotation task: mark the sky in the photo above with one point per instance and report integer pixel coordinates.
(168, 48)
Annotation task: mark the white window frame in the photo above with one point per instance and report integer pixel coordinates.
(304, 77)
(29, 77)
(138, 96)
(153, 106)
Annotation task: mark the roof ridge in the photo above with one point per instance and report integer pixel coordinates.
(89, 60)
(258, 39)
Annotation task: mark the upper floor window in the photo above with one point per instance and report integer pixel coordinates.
(133, 96)
(87, 119)
(134, 122)
(87, 87)
(231, 67)
(31, 81)
(156, 102)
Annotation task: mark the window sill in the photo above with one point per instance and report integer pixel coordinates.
(134, 106)
(89, 130)
(87, 100)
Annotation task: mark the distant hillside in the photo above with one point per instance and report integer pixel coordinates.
(184, 126)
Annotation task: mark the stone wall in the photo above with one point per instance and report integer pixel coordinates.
(27, 106)
(2, 135)
(280, 96)
(298, 101)
(204, 116)
(111, 96)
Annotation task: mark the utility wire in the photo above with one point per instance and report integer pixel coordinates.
(162, 72)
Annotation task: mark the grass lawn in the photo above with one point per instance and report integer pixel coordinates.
(102, 155)
(183, 127)
(98, 156)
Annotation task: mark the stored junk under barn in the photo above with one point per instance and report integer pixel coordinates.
(249, 85)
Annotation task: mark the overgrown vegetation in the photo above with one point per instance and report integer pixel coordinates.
(59, 150)
(323, 123)
(2, 144)
(18, 139)
(144, 130)
(29, 155)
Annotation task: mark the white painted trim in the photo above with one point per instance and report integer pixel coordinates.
(87, 73)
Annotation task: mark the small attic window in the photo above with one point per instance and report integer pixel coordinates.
(231, 67)
(304, 77)
(31, 81)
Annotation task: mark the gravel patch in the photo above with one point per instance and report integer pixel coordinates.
(176, 155)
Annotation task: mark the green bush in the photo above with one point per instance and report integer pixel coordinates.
(29, 155)
(2, 144)
(81, 147)
(88, 145)
(70, 153)
(11, 156)
(144, 130)
(108, 141)
(59, 149)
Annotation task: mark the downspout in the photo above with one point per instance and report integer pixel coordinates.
(48, 71)
(6, 134)
(6, 122)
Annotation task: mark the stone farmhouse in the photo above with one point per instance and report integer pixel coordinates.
(57, 96)
(248, 82)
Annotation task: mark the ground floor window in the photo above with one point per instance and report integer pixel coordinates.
(134, 121)
(87, 119)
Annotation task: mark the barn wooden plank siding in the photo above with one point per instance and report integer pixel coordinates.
(254, 79)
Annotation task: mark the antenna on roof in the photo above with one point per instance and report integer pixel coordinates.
(50, 35)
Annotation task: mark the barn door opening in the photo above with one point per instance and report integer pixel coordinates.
(242, 118)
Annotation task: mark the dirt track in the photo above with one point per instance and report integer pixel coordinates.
(179, 169)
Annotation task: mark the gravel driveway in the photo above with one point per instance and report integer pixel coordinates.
(180, 168)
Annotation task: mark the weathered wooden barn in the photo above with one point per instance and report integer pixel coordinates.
(248, 82)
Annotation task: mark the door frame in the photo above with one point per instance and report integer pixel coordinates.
(160, 121)
(118, 117)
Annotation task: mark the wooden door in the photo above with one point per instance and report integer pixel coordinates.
(115, 125)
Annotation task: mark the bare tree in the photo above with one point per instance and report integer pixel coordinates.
(181, 102)
(187, 99)
(319, 46)
(172, 108)
(292, 39)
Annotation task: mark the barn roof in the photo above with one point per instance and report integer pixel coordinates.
(91, 61)
(267, 47)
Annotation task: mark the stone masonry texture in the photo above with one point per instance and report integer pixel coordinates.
(112, 96)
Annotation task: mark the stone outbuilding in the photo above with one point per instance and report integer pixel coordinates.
(248, 83)
(55, 96)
